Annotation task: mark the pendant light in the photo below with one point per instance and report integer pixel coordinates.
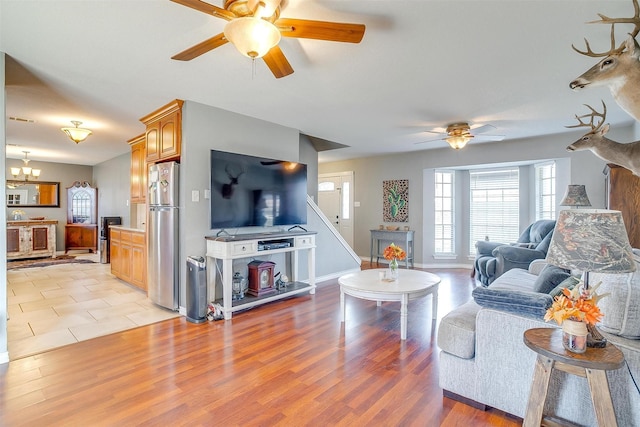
(77, 134)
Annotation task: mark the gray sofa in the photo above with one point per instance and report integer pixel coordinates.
(484, 362)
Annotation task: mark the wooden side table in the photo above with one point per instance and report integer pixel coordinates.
(592, 364)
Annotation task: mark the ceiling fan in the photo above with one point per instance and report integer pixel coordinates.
(458, 135)
(255, 29)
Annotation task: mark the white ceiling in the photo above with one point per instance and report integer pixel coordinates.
(421, 64)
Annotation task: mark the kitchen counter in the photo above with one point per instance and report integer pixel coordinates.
(123, 228)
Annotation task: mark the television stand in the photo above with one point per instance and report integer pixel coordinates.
(232, 247)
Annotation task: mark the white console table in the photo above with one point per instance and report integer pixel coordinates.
(251, 246)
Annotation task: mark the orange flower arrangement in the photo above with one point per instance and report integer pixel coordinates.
(394, 252)
(577, 304)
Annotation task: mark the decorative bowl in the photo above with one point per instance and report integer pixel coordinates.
(392, 227)
(36, 218)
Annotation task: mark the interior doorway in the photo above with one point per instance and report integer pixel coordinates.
(335, 199)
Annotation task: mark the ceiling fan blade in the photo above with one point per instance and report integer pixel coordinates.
(201, 48)
(482, 128)
(490, 137)
(320, 30)
(207, 8)
(430, 140)
(277, 62)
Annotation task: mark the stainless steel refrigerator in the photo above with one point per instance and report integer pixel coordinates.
(163, 243)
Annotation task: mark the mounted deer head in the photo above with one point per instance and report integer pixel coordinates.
(227, 189)
(620, 67)
(625, 155)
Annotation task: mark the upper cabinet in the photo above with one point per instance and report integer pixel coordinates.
(164, 132)
(138, 169)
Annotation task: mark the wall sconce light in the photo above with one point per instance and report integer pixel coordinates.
(26, 170)
(77, 134)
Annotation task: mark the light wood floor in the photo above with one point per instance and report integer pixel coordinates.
(288, 363)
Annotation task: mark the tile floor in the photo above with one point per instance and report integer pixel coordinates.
(62, 304)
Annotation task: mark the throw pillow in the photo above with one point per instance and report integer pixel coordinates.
(569, 283)
(549, 278)
(621, 308)
(530, 304)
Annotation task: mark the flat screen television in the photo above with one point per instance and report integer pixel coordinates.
(248, 191)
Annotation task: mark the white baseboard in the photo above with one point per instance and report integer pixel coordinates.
(4, 357)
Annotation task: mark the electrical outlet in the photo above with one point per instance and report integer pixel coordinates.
(207, 194)
(195, 195)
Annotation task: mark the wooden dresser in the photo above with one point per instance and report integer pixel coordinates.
(31, 239)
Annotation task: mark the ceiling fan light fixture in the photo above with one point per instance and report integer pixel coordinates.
(77, 134)
(458, 142)
(253, 37)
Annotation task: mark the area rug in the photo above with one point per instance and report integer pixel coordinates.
(45, 262)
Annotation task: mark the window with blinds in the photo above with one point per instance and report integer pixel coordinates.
(545, 190)
(444, 212)
(494, 205)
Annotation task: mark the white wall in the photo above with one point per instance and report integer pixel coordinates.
(4, 352)
(112, 178)
(205, 128)
(573, 168)
(66, 175)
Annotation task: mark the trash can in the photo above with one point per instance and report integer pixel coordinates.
(104, 254)
(196, 289)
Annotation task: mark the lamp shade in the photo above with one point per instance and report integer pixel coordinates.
(77, 134)
(458, 142)
(591, 240)
(576, 195)
(253, 37)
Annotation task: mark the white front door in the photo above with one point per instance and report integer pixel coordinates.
(335, 200)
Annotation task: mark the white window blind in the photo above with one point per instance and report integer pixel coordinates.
(444, 212)
(494, 211)
(545, 190)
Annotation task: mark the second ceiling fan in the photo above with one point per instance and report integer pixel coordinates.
(255, 29)
(457, 135)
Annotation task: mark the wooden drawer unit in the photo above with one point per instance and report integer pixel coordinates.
(129, 256)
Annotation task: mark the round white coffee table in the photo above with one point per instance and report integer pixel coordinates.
(411, 284)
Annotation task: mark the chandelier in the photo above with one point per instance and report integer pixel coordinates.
(77, 134)
(25, 170)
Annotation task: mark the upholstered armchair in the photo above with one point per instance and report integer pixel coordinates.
(493, 259)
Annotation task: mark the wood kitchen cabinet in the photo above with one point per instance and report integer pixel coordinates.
(129, 256)
(164, 132)
(31, 239)
(81, 236)
(138, 169)
(622, 193)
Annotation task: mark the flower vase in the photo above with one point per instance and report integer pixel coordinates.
(393, 269)
(574, 336)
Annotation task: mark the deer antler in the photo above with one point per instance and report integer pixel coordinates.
(613, 21)
(592, 116)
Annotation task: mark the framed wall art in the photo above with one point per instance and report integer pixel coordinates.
(395, 203)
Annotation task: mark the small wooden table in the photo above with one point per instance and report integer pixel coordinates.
(411, 284)
(592, 364)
